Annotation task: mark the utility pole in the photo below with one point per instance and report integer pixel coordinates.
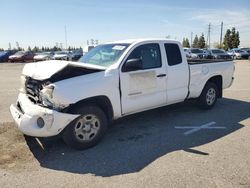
(221, 30)
(191, 40)
(65, 32)
(208, 36)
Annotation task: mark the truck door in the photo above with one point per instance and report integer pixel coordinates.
(145, 88)
(177, 73)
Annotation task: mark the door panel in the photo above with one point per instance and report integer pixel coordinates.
(178, 73)
(142, 89)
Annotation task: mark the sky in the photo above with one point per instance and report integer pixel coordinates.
(42, 23)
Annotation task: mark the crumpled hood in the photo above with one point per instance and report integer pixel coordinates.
(46, 69)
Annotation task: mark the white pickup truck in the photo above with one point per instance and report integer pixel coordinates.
(78, 100)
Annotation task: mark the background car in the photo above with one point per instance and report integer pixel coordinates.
(43, 56)
(76, 54)
(87, 48)
(186, 51)
(21, 56)
(218, 54)
(62, 55)
(195, 53)
(206, 54)
(237, 53)
(4, 55)
(246, 50)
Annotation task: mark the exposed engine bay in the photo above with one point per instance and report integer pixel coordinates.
(40, 91)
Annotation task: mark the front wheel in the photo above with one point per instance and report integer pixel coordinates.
(208, 96)
(87, 130)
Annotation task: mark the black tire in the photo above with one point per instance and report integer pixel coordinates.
(205, 100)
(75, 141)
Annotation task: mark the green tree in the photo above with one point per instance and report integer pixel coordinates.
(201, 41)
(29, 48)
(235, 38)
(195, 42)
(227, 40)
(231, 39)
(35, 49)
(185, 43)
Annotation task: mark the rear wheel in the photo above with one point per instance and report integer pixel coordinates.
(208, 96)
(87, 130)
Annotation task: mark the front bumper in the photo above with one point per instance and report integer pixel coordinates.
(26, 113)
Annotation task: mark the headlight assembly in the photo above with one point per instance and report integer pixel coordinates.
(23, 80)
(46, 95)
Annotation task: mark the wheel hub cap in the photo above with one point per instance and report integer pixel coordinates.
(211, 95)
(87, 127)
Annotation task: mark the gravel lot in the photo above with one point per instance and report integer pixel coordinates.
(150, 149)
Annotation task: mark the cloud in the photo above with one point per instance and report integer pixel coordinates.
(240, 19)
(231, 18)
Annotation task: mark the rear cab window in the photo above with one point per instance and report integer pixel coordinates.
(173, 54)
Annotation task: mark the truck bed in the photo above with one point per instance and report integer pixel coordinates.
(203, 61)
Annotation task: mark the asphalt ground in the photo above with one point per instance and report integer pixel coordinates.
(174, 146)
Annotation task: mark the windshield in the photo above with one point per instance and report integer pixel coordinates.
(44, 53)
(20, 53)
(104, 55)
(3, 52)
(218, 51)
(196, 51)
(239, 51)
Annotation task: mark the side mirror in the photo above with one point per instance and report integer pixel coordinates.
(133, 65)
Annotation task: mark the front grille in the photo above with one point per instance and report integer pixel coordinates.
(33, 88)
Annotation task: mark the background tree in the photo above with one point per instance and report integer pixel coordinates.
(227, 40)
(185, 43)
(231, 39)
(235, 38)
(35, 49)
(196, 41)
(201, 41)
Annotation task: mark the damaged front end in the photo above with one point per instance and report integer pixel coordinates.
(38, 111)
(40, 92)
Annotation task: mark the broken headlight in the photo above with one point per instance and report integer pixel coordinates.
(46, 95)
(23, 80)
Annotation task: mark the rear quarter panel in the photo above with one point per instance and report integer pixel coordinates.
(201, 73)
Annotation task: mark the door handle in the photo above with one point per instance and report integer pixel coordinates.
(161, 75)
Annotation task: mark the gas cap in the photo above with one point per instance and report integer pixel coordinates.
(205, 69)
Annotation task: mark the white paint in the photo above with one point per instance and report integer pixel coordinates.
(198, 128)
(128, 92)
